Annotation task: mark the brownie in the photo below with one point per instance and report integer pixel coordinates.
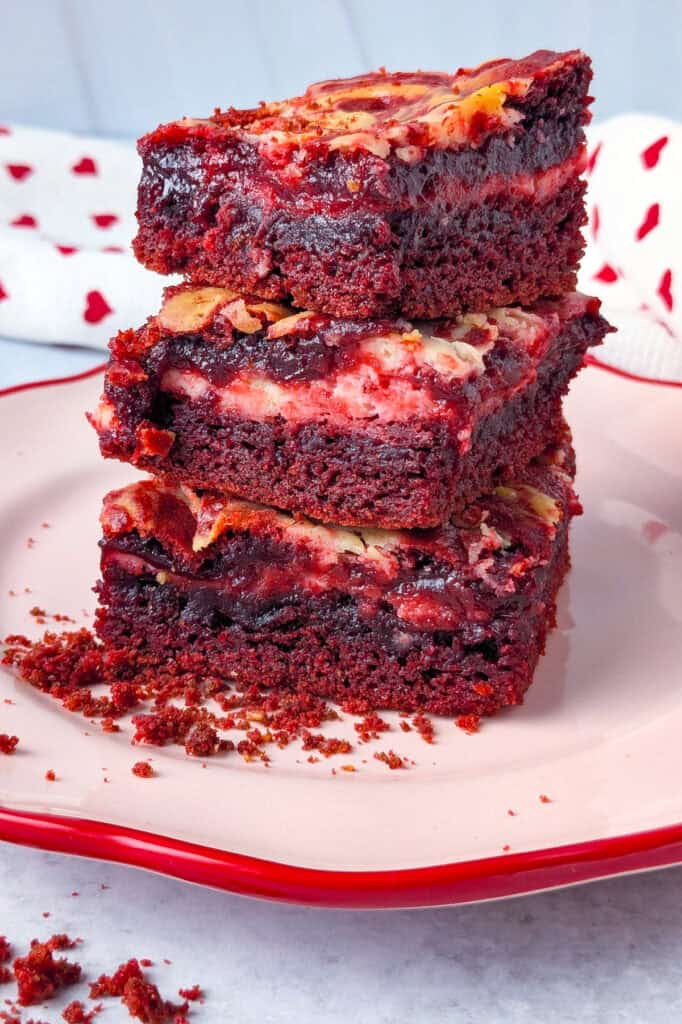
(357, 422)
(424, 194)
(451, 619)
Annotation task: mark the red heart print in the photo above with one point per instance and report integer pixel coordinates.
(607, 275)
(26, 220)
(665, 290)
(592, 159)
(19, 171)
(652, 153)
(650, 221)
(96, 308)
(3, 293)
(66, 250)
(104, 220)
(86, 165)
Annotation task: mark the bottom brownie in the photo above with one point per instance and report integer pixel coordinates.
(451, 620)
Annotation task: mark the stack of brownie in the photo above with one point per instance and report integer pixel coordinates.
(361, 481)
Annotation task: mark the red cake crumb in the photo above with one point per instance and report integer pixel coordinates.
(202, 741)
(58, 665)
(41, 616)
(192, 994)
(424, 726)
(8, 744)
(193, 727)
(113, 984)
(390, 758)
(143, 1001)
(370, 727)
(39, 975)
(327, 745)
(251, 751)
(67, 665)
(544, 799)
(470, 724)
(50, 775)
(142, 769)
(76, 1013)
(146, 962)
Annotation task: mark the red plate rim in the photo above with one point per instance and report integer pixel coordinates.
(509, 874)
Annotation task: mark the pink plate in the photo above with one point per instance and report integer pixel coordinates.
(599, 734)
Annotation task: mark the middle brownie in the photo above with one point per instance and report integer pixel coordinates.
(359, 422)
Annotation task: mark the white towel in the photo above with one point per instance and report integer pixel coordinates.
(67, 273)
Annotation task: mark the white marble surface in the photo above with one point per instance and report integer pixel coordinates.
(609, 952)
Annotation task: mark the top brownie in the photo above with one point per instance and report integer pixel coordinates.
(424, 194)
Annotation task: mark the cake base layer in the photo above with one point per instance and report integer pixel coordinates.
(326, 647)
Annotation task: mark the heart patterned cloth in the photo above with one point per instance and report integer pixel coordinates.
(67, 217)
(633, 260)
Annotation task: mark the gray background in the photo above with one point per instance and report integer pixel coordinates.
(120, 68)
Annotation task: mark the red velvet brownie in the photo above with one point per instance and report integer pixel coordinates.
(425, 194)
(356, 422)
(451, 619)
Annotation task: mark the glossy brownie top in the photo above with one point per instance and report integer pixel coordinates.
(382, 112)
